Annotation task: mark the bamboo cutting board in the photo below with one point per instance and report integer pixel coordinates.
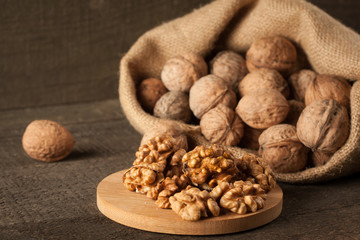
(137, 211)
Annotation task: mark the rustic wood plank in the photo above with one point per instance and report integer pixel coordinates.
(58, 200)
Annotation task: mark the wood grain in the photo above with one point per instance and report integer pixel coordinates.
(137, 211)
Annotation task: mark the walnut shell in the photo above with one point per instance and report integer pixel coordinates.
(251, 137)
(174, 105)
(181, 72)
(319, 158)
(47, 141)
(149, 92)
(170, 129)
(328, 87)
(263, 78)
(272, 52)
(229, 66)
(323, 126)
(263, 108)
(209, 92)
(282, 150)
(222, 125)
(296, 108)
(299, 81)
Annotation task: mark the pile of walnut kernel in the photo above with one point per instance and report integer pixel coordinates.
(203, 182)
(294, 117)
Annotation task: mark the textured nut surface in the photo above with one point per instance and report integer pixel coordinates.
(47, 141)
(328, 87)
(169, 129)
(263, 108)
(141, 179)
(282, 150)
(174, 167)
(319, 158)
(181, 72)
(296, 108)
(323, 126)
(202, 163)
(263, 78)
(230, 66)
(149, 92)
(222, 125)
(191, 204)
(299, 81)
(272, 52)
(173, 105)
(208, 92)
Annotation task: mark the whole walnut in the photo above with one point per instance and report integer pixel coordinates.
(209, 92)
(230, 66)
(149, 92)
(328, 87)
(170, 129)
(222, 125)
(181, 72)
(299, 82)
(319, 158)
(323, 126)
(263, 108)
(272, 52)
(282, 150)
(47, 141)
(251, 137)
(263, 78)
(296, 108)
(173, 105)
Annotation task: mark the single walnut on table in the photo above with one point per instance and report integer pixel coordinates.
(221, 125)
(191, 204)
(230, 66)
(208, 92)
(181, 72)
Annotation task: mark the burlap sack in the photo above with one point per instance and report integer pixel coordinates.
(330, 47)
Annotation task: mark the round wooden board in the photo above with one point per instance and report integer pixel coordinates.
(137, 211)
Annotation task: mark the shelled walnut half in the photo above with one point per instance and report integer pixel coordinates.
(141, 179)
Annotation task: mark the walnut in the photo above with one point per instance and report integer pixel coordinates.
(173, 105)
(229, 66)
(174, 167)
(222, 125)
(272, 52)
(263, 108)
(299, 81)
(203, 162)
(155, 152)
(208, 92)
(237, 201)
(169, 129)
(191, 204)
(149, 92)
(328, 87)
(296, 108)
(282, 150)
(181, 72)
(254, 170)
(167, 188)
(319, 158)
(141, 179)
(47, 141)
(323, 126)
(263, 78)
(251, 137)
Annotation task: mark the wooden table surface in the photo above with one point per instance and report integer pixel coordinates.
(59, 69)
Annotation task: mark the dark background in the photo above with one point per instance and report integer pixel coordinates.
(65, 51)
(59, 60)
